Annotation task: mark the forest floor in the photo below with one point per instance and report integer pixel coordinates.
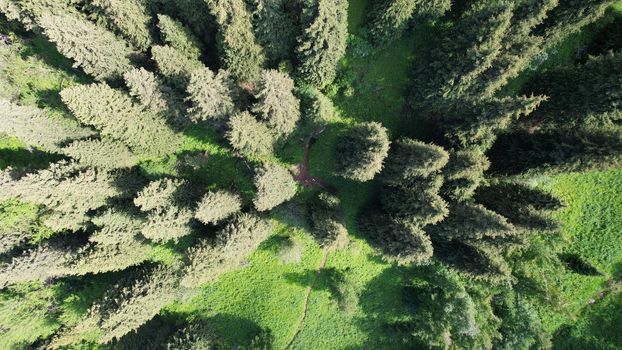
(348, 303)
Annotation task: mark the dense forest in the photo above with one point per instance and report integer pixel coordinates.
(310, 174)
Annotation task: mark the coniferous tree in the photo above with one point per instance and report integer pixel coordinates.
(176, 35)
(469, 222)
(276, 103)
(275, 28)
(213, 96)
(240, 237)
(33, 127)
(104, 154)
(316, 107)
(68, 190)
(249, 136)
(323, 42)
(29, 12)
(411, 159)
(217, 206)
(97, 51)
(274, 184)
(152, 93)
(327, 220)
(419, 208)
(240, 54)
(362, 151)
(37, 264)
(195, 336)
(116, 115)
(174, 65)
(464, 174)
(129, 18)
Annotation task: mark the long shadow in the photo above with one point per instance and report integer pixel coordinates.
(22, 158)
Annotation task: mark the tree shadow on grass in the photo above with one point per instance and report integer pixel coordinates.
(22, 158)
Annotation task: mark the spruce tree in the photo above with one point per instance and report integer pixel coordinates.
(174, 65)
(160, 194)
(29, 12)
(217, 206)
(323, 42)
(276, 103)
(274, 184)
(104, 154)
(411, 159)
(115, 115)
(362, 151)
(129, 18)
(464, 174)
(152, 94)
(250, 136)
(469, 222)
(414, 206)
(37, 264)
(69, 191)
(316, 107)
(176, 35)
(275, 28)
(213, 96)
(35, 128)
(195, 336)
(239, 238)
(97, 51)
(240, 54)
(327, 220)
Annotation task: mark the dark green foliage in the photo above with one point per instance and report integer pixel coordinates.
(178, 36)
(239, 52)
(362, 151)
(152, 93)
(323, 42)
(464, 174)
(105, 154)
(316, 107)
(327, 220)
(250, 136)
(213, 96)
(97, 51)
(217, 206)
(274, 184)
(29, 12)
(471, 222)
(419, 208)
(240, 237)
(411, 159)
(397, 241)
(129, 18)
(195, 336)
(175, 65)
(116, 115)
(276, 103)
(521, 327)
(275, 27)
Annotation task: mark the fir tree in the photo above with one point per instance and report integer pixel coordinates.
(213, 96)
(414, 206)
(362, 151)
(129, 18)
(168, 224)
(104, 154)
(411, 159)
(327, 220)
(323, 42)
(274, 184)
(275, 28)
(152, 93)
(240, 237)
(276, 103)
(35, 128)
(97, 51)
(195, 336)
(176, 35)
(468, 222)
(249, 136)
(115, 115)
(160, 194)
(174, 65)
(240, 54)
(37, 264)
(464, 174)
(29, 12)
(217, 206)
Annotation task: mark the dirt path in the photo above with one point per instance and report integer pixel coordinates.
(301, 171)
(306, 301)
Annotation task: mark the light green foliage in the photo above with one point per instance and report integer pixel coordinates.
(176, 35)
(66, 189)
(37, 264)
(411, 159)
(249, 136)
(97, 51)
(362, 151)
(213, 96)
(34, 127)
(275, 27)
(521, 327)
(19, 223)
(463, 174)
(327, 220)
(316, 107)
(239, 52)
(323, 42)
(397, 241)
(130, 18)
(174, 65)
(104, 154)
(274, 184)
(240, 237)
(29, 12)
(151, 92)
(217, 206)
(115, 115)
(276, 103)
(159, 194)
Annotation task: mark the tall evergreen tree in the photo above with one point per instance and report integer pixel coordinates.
(416, 207)
(411, 160)
(275, 28)
(176, 35)
(152, 94)
(327, 220)
(129, 18)
(37, 264)
(97, 51)
(362, 151)
(213, 96)
(104, 154)
(276, 103)
(250, 136)
(217, 206)
(240, 54)
(116, 115)
(323, 42)
(175, 65)
(274, 184)
(29, 12)
(464, 174)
